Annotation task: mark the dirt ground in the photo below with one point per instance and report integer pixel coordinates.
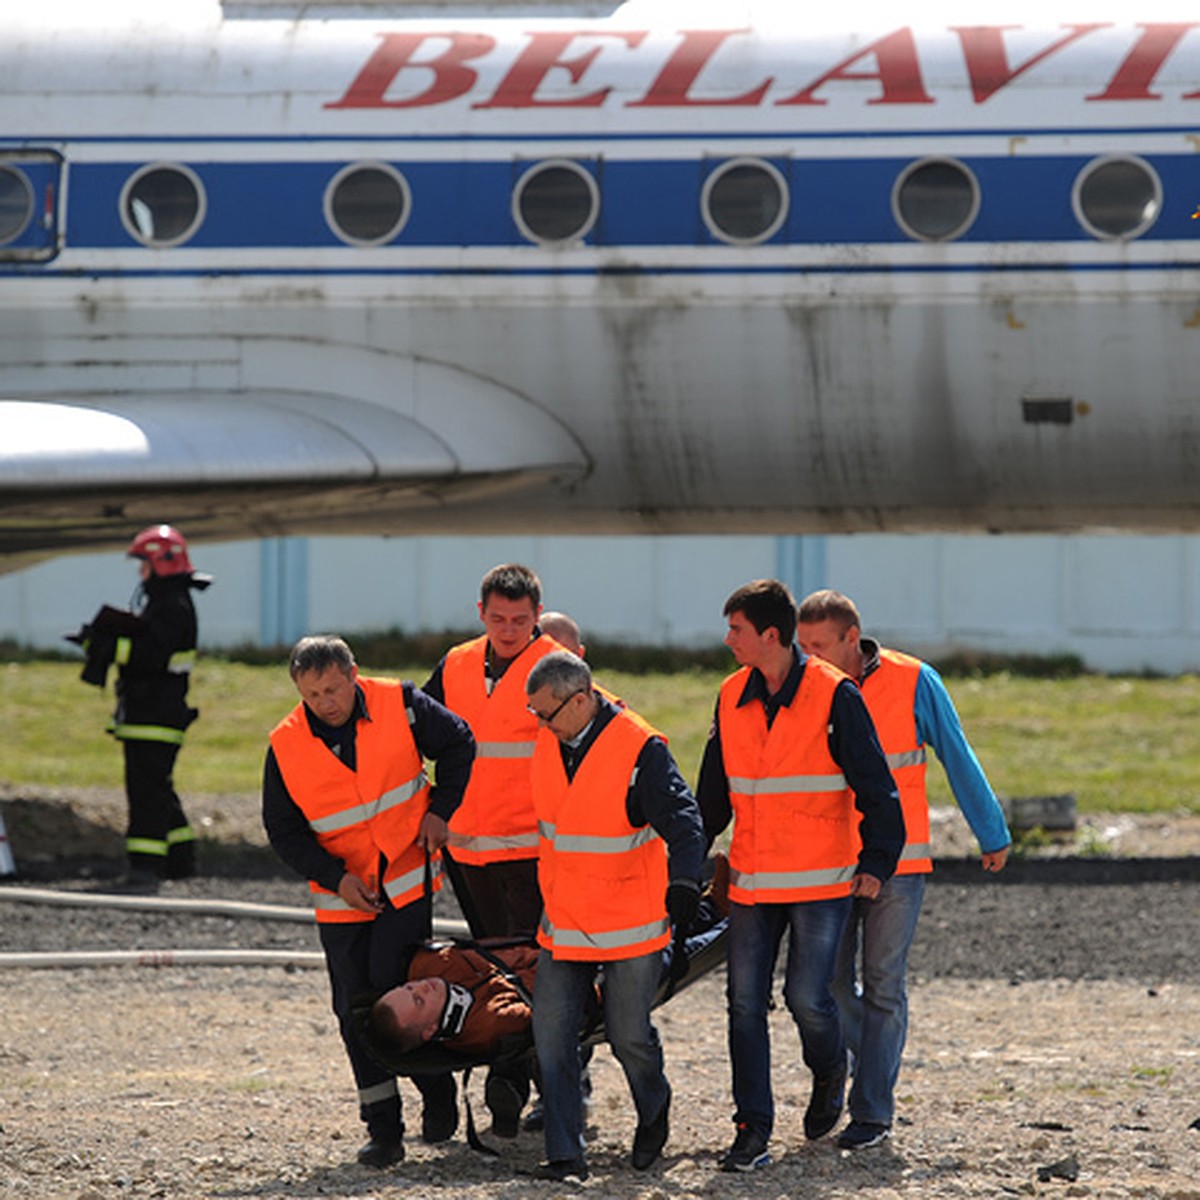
(1054, 1045)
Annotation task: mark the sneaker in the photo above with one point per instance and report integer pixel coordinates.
(825, 1106)
(748, 1152)
(562, 1170)
(860, 1135)
(649, 1139)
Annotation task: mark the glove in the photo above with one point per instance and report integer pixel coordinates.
(683, 902)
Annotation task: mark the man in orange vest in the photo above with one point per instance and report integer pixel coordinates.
(620, 848)
(493, 836)
(793, 758)
(347, 805)
(911, 709)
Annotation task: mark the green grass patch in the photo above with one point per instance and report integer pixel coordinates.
(1118, 744)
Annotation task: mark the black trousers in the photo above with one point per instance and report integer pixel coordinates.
(372, 956)
(159, 839)
(505, 898)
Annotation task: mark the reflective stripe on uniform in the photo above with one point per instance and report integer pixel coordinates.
(369, 808)
(181, 662)
(378, 1092)
(770, 881)
(781, 785)
(124, 648)
(145, 733)
(155, 847)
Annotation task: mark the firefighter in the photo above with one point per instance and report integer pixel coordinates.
(153, 646)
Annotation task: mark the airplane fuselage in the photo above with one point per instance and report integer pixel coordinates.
(588, 275)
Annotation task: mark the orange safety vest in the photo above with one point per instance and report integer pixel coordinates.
(795, 831)
(362, 814)
(495, 821)
(603, 881)
(890, 692)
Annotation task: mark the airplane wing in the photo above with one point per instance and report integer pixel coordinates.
(228, 463)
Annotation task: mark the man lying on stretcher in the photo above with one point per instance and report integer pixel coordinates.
(475, 1000)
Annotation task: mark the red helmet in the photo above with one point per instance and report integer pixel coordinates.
(163, 547)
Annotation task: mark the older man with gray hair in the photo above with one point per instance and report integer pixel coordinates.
(620, 848)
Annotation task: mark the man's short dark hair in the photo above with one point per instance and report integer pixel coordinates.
(766, 603)
(318, 653)
(387, 1033)
(513, 582)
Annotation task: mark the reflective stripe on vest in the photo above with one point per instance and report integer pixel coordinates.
(779, 785)
(890, 692)
(495, 821)
(370, 808)
(603, 880)
(762, 881)
(608, 942)
(795, 825)
(504, 749)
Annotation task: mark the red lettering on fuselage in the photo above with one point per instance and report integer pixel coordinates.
(987, 57)
(518, 89)
(898, 72)
(1135, 75)
(671, 88)
(421, 70)
(451, 78)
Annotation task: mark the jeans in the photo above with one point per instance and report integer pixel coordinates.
(559, 997)
(755, 932)
(875, 1011)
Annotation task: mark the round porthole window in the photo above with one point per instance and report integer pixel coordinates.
(367, 204)
(1117, 198)
(16, 203)
(935, 200)
(163, 204)
(744, 201)
(556, 201)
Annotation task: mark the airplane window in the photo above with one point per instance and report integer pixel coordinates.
(556, 201)
(935, 200)
(744, 201)
(16, 203)
(162, 205)
(1117, 197)
(367, 204)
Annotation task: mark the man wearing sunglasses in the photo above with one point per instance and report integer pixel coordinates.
(620, 848)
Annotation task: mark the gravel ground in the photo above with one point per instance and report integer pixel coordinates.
(1054, 1045)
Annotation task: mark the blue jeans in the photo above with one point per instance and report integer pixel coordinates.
(755, 932)
(875, 1011)
(559, 996)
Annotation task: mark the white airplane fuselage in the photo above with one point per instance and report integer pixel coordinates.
(559, 275)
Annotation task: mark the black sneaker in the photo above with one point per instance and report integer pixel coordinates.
(562, 1170)
(861, 1135)
(825, 1107)
(748, 1152)
(649, 1139)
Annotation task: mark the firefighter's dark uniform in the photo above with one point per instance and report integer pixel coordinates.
(153, 651)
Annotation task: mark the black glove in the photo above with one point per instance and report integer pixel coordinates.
(683, 902)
